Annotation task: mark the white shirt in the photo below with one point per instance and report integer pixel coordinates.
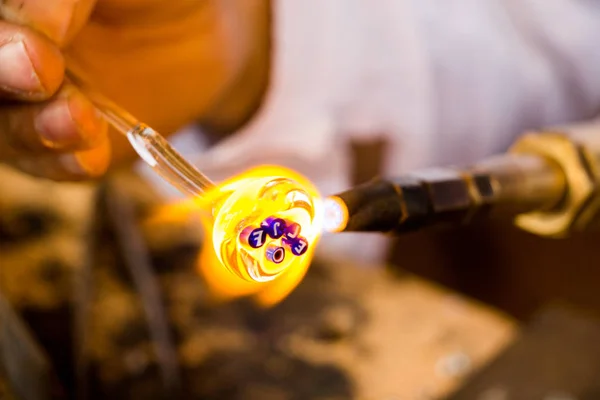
(445, 82)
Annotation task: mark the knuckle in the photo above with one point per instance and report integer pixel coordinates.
(52, 18)
(12, 32)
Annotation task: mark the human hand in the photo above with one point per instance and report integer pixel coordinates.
(166, 62)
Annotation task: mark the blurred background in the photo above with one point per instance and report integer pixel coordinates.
(97, 304)
(98, 301)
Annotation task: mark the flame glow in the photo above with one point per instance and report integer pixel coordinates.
(230, 266)
(335, 214)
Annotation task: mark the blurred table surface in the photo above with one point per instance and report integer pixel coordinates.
(423, 341)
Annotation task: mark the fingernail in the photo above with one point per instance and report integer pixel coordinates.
(71, 120)
(89, 163)
(55, 125)
(17, 73)
(89, 121)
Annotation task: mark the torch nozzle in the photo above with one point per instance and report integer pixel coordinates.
(335, 214)
(509, 184)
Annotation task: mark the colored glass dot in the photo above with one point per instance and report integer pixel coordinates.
(299, 246)
(292, 230)
(254, 237)
(275, 227)
(275, 254)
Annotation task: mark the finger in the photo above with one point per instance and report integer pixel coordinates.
(76, 166)
(31, 67)
(66, 122)
(59, 20)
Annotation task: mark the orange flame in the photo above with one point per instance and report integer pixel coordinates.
(230, 266)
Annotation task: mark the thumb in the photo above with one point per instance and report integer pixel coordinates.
(60, 20)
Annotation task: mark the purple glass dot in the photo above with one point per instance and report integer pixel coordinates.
(299, 246)
(275, 227)
(254, 237)
(292, 230)
(275, 254)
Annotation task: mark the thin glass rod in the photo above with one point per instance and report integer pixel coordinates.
(152, 147)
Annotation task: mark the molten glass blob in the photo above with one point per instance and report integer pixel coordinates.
(261, 230)
(264, 223)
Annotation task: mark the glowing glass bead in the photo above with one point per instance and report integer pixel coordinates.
(254, 214)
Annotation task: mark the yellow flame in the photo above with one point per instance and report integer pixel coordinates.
(229, 265)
